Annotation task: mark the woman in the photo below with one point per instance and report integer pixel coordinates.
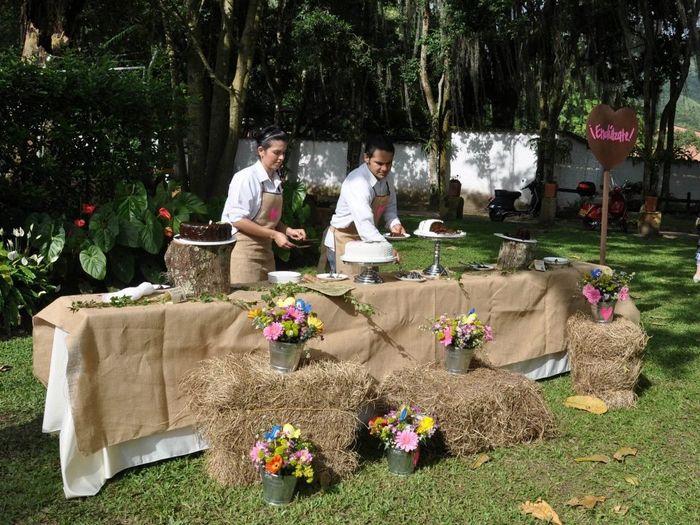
(254, 208)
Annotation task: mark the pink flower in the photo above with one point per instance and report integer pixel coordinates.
(273, 331)
(406, 440)
(255, 451)
(488, 333)
(591, 293)
(623, 294)
(447, 337)
(295, 314)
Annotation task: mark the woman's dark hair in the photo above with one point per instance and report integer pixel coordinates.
(375, 142)
(265, 137)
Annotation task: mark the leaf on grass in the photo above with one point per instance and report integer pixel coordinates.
(621, 509)
(480, 460)
(622, 453)
(451, 248)
(5, 368)
(632, 480)
(541, 510)
(588, 502)
(588, 403)
(597, 458)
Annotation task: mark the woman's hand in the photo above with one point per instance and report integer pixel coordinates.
(398, 228)
(296, 234)
(282, 241)
(397, 257)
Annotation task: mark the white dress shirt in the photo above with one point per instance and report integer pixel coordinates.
(245, 193)
(355, 204)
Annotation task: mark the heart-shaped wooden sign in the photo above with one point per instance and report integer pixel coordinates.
(606, 312)
(611, 134)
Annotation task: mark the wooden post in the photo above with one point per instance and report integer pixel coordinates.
(515, 255)
(199, 269)
(604, 218)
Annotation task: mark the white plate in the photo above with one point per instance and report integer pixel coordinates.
(433, 235)
(556, 261)
(332, 277)
(506, 237)
(388, 237)
(375, 261)
(409, 279)
(203, 243)
(481, 267)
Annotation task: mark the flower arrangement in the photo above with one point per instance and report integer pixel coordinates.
(283, 451)
(464, 331)
(403, 429)
(287, 320)
(599, 286)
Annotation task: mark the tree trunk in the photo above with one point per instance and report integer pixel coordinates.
(48, 26)
(237, 97)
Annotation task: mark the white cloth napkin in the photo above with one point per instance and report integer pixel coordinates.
(134, 292)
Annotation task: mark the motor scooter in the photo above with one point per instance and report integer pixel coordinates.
(503, 204)
(591, 213)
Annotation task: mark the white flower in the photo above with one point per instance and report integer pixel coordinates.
(24, 261)
(2, 232)
(12, 255)
(18, 232)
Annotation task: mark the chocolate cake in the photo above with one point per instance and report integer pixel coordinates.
(439, 227)
(213, 232)
(521, 233)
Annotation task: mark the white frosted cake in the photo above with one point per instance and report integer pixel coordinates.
(368, 252)
(435, 226)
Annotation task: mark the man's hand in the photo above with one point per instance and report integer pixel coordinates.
(398, 228)
(296, 234)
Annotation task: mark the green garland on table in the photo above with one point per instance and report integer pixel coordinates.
(121, 302)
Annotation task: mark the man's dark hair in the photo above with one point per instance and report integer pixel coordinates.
(265, 137)
(375, 142)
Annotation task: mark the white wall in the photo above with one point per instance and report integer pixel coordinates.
(482, 161)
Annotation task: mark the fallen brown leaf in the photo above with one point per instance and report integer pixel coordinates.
(588, 403)
(480, 460)
(541, 510)
(632, 480)
(621, 509)
(588, 502)
(623, 452)
(599, 458)
(5, 368)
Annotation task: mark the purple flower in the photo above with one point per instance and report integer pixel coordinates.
(591, 293)
(273, 331)
(488, 333)
(623, 294)
(407, 440)
(255, 451)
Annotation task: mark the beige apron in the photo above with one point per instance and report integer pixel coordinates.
(252, 257)
(341, 236)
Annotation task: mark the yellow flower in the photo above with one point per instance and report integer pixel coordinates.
(470, 319)
(425, 425)
(315, 322)
(255, 312)
(289, 301)
(292, 432)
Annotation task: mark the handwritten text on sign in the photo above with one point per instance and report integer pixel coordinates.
(611, 134)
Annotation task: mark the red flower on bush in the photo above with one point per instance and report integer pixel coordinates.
(88, 209)
(165, 214)
(79, 222)
(168, 231)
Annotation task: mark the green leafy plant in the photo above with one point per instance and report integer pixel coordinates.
(110, 239)
(296, 213)
(25, 264)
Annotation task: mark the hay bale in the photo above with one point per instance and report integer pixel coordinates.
(480, 410)
(606, 359)
(237, 397)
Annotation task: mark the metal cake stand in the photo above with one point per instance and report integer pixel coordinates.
(436, 269)
(370, 271)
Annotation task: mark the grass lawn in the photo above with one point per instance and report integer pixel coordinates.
(664, 427)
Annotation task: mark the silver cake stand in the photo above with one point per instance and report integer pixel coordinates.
(370, 270)
(436, 269)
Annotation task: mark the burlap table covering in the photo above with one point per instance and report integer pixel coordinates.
(125, 364)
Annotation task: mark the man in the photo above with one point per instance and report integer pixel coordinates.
(367, 195)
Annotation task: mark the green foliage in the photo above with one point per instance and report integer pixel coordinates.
(296, 213)
(25, 263)
(74, 128)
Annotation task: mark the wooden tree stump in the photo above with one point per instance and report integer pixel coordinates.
(199, 269)
(516, 255)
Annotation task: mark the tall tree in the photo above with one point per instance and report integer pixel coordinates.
(48, 26)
